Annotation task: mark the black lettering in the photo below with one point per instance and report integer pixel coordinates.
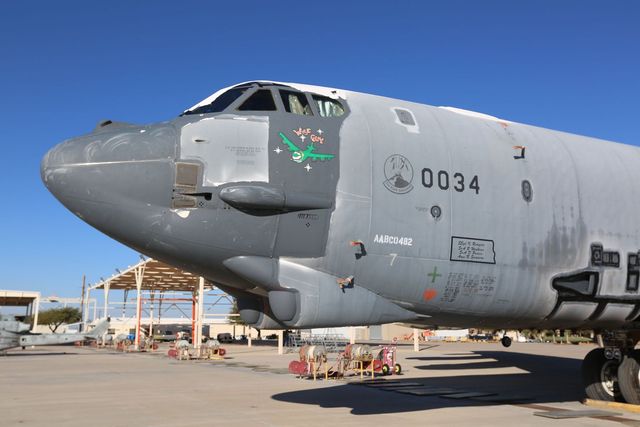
(443, 180)
(474, 184)
(459, 186)
(426, 172)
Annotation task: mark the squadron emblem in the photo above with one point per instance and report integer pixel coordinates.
(398, 173)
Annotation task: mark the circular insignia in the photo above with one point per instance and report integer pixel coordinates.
(398, 173)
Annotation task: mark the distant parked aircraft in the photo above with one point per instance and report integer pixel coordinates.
(14, 333)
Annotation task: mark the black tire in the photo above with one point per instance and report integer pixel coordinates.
(385, 369)
(506, 341)
(600, 376)
(397, 369)
(629, 377)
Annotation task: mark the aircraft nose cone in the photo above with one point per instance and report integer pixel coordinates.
(71, 168)
(117, 179)
(56, 165)
(43, 167)
(46, 167)
(51, 160)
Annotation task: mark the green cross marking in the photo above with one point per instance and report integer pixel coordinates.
(434, 275)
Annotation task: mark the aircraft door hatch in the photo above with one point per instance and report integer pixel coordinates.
(230, 148)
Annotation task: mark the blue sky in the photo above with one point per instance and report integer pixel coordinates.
(570, 65)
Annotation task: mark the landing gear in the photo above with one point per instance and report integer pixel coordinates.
(506, 341)
(629, 377)
(612, 372)
(600, 376)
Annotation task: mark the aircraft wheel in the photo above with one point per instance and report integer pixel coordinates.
(506, 341)
(629, 377)
(600, 376)
(385, 369)
(397, 369)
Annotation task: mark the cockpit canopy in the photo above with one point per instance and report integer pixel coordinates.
(259, 96)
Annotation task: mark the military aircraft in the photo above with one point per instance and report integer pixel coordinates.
(411, 213)
(299, 155)
(14, 333)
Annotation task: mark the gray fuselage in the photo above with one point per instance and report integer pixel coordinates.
(14, 333)
(353, 209)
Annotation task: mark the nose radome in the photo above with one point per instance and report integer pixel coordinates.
(47, 165)
(113, 143)
(119, 181)
(71, 151)
(43, 167)
(55, 163)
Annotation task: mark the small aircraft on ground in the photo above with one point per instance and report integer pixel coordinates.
(14, 333)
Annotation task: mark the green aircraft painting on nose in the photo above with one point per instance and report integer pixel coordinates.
(299, 156)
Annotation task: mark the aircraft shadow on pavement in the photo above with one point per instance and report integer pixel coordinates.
(547, 379)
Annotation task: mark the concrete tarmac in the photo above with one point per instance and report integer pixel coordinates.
(69, 386)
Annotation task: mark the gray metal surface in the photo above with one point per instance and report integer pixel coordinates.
(391, 211)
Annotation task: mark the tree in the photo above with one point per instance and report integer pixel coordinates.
(57, 316)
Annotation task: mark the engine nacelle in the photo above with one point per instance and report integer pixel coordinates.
(313, 299)
(302, 297)
(255, 312)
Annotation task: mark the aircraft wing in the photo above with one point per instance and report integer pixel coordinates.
(318, 156)
(292, 147)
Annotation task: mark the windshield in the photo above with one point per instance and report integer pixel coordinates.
(261, 100)
(220, 103)
(295, 102)
(328, 107)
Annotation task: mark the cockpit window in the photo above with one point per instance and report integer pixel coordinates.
(296, 103)
(261, 100)
(328, 107)
(221, 102)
